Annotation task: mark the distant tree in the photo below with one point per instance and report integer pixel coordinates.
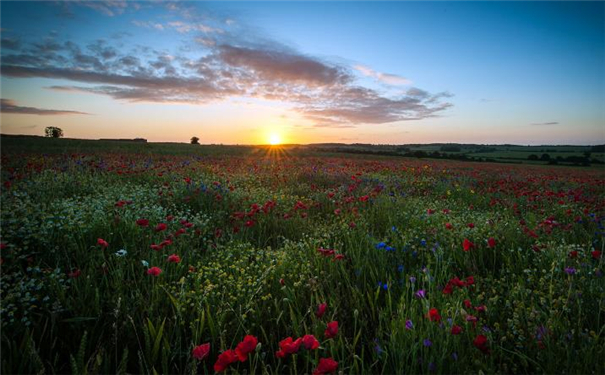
(451, 148)
(195, 141)
(53, 132)
(545, 157)
(532, 157)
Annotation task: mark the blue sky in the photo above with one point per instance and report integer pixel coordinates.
(238, 72)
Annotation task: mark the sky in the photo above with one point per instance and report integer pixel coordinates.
(306, 72)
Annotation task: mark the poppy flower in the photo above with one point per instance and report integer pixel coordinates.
(288, 346)
(142, 222)
(433, 315)
(339, 257)
(332, 330)
(75, 273)
(160, 227)
(596, 254)
(480, 343)
(467, 303)
(247, 346)
(326, 366)
(310, 342)
(470, 280)
(174, 259)
(491, 242)
(470, 225)
(573, 254)
(102, 242)
(154, 271)
(224, 360)
(200, 352)
(456, 330)
(467, 245)
(449, 226)
(321, 310)
(156, 247)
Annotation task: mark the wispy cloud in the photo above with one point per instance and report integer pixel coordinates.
(389, 79)
(327, 94)
(546, 123)
(9, 106)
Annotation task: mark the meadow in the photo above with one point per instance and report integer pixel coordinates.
(120, 258)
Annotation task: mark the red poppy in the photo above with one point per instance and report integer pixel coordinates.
(449, 226)
(310, 342)
(288, 346)
(200, 352)
(470, 225)
(456, 330)
(102, 242)
(491, 242)
(142, 222)
(332, 330)
(457, 282)
(321, 310)
(470, 280)
(467, 304)
(326, 366)
(174, 259)
(154, 271)
(467, 245)
(249, 223)
(156, 247)
(75, 273)
(433, 315)
(480, 343)
(169, 218)
(596, 254)
(573, 254)
(160, 227)
(339, 257)
(448, 289)
(247, 346)
(224, 360)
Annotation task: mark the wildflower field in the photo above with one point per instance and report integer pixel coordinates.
(269, 261)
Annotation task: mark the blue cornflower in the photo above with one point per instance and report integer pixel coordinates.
(427, 342)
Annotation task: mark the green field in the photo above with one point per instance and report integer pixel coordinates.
(121, 257)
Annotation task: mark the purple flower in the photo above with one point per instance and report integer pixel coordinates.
(409, 325)
(412, 279)
(570, 271)
(421, 293)
(455, 356)
(427, 342)
(432, 367)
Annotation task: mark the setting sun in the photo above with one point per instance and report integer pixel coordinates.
(274, 139)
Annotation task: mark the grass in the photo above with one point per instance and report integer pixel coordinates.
(250, 225)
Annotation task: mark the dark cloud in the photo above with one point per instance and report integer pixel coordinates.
(10, 43)
(546, 123)
(9, 106)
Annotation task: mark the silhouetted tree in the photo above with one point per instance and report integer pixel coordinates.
(545, 157)
(532, 157)
(53, 132)
(195, 141)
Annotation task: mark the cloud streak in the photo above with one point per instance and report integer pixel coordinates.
(9, 106)
(389, 79)
(546, 123)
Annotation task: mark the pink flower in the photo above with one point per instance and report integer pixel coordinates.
(174, 259)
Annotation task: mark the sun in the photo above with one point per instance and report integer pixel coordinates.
(274, 139)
